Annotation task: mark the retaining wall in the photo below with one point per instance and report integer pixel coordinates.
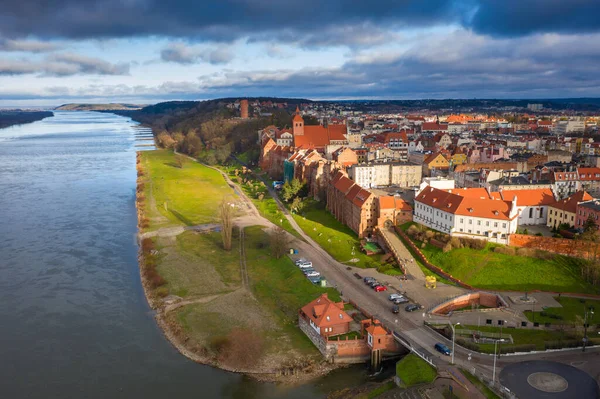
(561, 246)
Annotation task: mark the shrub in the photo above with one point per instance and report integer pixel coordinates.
(147, 245)
(447, 247)
(567, 343)
(429, 234)
(516, 348)
(526, 252)
(140, 187)
(473, 243)
(162, 292)
(467, 344)
(539, 234)
(455, 242)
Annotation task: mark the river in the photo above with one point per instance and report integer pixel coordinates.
(75, 323)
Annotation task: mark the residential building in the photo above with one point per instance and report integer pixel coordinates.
(401, 174)
(586, 210)
(352, 205)
(441, 183)
(565, 184)
(565, 210)
(567, 127)
(326, 317)
(466, 212)
(435, 161)
(590, 180)
(517, 183)
(532, 205)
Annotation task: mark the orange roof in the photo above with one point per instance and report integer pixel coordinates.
(324, 312)
(433, 126)
(319, 136)
(353, 192)
(533, 197)
(466, 206)
(376, 329)
(392, 202)
(362, 197)
(344, 184)
(475, 192)
(492, 166)
(570, 204)
(432, 157)
(297, 117)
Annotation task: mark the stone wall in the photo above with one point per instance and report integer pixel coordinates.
(320, 342)
(561, 246)
(482, 298)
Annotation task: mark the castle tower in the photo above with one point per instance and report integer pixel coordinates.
(244, 109)
(298, 123)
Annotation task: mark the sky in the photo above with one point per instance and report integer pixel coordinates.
(146, 51)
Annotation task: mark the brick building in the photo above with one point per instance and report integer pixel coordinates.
(392, 211)
(326, 317)
(244, 109)
(352, 205)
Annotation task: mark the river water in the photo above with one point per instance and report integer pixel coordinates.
(74, 320)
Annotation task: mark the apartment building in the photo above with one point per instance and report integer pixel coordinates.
(401, 174)
(565, 210)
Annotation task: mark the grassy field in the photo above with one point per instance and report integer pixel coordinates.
(188, 195)
(568, 313)
(380, 390)
(520, 337)
(413, 370)
(334, 237)
(253, 188)
(280, 286)
(483, 388)
(494, 271)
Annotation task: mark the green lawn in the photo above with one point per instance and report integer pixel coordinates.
(334, 237)
(483, 388)
(380, 390)
(486, 269)
(521, 336)
(349, 335)
(413, 370)
(280, 286)
(568, 313)
(184, 196)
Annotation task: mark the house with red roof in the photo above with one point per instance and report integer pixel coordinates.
(326, 317)
(467, 213)
(565, 210)
(319, 137)
(590, 180)
(532, 205)
(392, 211)
(352, 205)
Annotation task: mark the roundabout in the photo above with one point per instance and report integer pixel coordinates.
(544, 379)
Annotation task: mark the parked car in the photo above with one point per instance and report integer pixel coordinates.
(305, 265)
(394, 296)
(400, 300)
(443, 349)
(395, 309)
(314, 280)
(374, 283)
(314, 273)
(379, 288)
(358, 276)
(412, 307)
(306, 271)
(299, 261)
(367, 280)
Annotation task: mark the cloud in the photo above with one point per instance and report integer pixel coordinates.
(31, 46)
(184, 54)
(63, 64)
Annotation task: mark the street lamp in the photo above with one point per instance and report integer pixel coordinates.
(495, 346)
(587, 312)
(453, 335)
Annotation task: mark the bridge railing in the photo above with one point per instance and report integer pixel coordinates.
(404, 342)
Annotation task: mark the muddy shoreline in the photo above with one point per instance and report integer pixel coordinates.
(177, 337)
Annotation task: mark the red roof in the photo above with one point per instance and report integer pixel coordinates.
(319, 136)
(392, 202)
(589, 174)
(466, 206)
(570, 204)
(344, 184)
(433, 126)
(325, 313)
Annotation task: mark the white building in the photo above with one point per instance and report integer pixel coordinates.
(466, 213)
(401, 174)
(570, 126)
(532, 205)
(440, 183)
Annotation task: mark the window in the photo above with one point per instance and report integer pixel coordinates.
(495, 224)
(530, 212)
(504, 225)
(470, 221)
(487, 224)
(542, 212)
(461, 220)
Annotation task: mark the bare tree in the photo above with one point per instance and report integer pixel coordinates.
(226, 215)
(278, 241)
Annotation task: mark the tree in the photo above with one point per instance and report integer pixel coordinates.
(291, 189)
(278, 242)
(590, 225)
(179, 161)
(226, 215)
(297, 205)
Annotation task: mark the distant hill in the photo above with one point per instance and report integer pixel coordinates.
(15, 117)
(98, 107)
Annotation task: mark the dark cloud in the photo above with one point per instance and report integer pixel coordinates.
(308, 22)
(63, 64)
(184, 54)
(523, 17)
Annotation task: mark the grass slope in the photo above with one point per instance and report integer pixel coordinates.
(192, 193)
(413, 370)
(280, 286)
(570, 310)
(334, 237)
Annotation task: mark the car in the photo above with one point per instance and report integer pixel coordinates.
(300, 261)
(379, 288)
(314, 273)
(395, 309)
(412, 307)
(367, 280)
(400, 300)
(394, 296)
(305, 265)
(443, 349)
(358, 276)
(314, 280)
(306, 271)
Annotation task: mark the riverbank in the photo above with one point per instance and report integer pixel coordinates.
(196, 288)
(13, 118)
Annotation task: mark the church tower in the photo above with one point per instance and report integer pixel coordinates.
(298, 123)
